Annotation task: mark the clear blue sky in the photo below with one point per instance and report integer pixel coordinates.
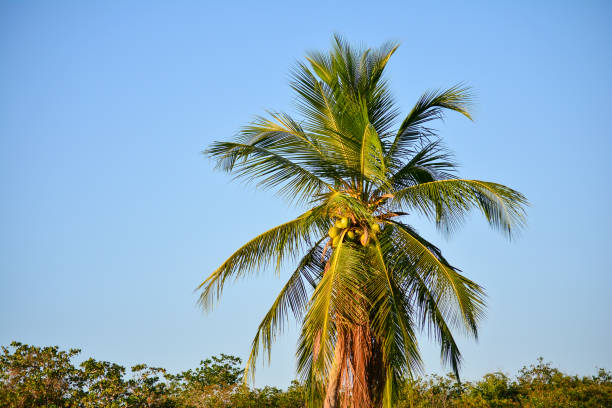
(111, 216)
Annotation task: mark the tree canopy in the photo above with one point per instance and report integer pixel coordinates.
(48, 377)
(367, 281)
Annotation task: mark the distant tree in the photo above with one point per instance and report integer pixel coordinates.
(38, 377)
(542, 385)
(294, 397)
(102, 384)
(537, 386)
(45, 377)
(217, 383)
(149, 388)
(494, 390)
(213, 384)
(224, 370)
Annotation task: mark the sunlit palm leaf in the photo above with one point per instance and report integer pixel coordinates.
(392, 321)
(273, 246)
(293, 296)
(429, 162)
(372, 164)
(429, 107)
(447, 202)
(333, 301)
(271, 169)
(458, 298)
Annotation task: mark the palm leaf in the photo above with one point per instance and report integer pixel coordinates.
(429, 162)
(271, 169)
(292, 296)
(447, 202)
(460, 299)
(334, 301)
(273, 245)
(392, 322)
(372, 165)
(430, 106)
(430, 307)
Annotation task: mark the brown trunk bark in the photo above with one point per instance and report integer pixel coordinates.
(333, 384)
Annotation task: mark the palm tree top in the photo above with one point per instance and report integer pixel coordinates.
(361, 172)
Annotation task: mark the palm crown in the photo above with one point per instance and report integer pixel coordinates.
(367, 281)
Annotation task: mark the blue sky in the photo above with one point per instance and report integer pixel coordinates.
(111, 216)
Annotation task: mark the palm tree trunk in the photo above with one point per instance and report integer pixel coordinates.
(333, 385)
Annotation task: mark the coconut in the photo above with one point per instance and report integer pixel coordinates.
(375, 228)
(344, 222)
(351, 235)
(365, 240)
(333, 232)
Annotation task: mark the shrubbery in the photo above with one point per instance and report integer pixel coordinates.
(46, 377)
(536, 386)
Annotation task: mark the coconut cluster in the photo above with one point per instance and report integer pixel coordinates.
(363, 234)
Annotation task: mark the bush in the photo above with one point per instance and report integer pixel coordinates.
(45, 377)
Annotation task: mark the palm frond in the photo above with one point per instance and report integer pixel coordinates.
(335, 300)
(429, 162)
(284, 136)
(429, 107)
(428, 306)
(342, 95)
(447, 202)
(338, 203)
(292, 296)
(327, 117)
(372, 164)
(460, 300)
(380, 104)
(271, 169)
(391, 320)
(433, 318)
(275, 245)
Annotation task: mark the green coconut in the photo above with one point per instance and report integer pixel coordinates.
(344, 222)
(333, 232)
(375, 228)
(351, 235)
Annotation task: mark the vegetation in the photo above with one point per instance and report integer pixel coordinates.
(47, 377)
(367, 281)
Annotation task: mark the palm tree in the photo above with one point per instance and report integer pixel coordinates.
(367, 282)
